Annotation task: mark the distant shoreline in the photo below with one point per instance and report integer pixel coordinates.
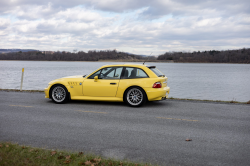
(238, 56)
(155, 61)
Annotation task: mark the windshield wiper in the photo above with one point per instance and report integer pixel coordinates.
(161, 75)
(84, 75)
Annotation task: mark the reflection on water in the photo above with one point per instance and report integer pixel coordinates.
(186, 80)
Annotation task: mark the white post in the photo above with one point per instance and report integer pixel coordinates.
(22, 80)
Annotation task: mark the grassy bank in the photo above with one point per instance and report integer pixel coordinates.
(170, 98)
(14, 154)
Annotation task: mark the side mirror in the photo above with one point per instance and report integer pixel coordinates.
(96, 78)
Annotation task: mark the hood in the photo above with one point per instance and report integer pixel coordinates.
(71, 78)
(78, 76)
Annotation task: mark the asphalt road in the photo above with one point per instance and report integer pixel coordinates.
(155, 133)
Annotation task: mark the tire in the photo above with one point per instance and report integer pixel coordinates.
(59, 94)
(135, 97)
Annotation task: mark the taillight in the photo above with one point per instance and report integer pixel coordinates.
(157, 85)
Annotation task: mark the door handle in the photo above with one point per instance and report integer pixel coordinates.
(112, 83)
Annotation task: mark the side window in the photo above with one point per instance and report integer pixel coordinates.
(108, 73)
(141, 74)
(95, 74)
(118, 72)
(131, 72)
(111, 73)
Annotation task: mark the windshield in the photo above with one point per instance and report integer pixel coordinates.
(157, 72)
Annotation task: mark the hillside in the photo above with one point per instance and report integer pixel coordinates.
(228, 56)
(92, 55)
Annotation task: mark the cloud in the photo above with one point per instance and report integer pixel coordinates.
(129, 25)
(4, 23)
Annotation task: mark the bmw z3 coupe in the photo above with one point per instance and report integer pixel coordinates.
(134, 84)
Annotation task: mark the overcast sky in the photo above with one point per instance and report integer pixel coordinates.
(135, 26)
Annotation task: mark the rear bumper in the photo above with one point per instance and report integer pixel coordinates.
(157, 94)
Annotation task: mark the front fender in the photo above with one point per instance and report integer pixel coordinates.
(49, 88)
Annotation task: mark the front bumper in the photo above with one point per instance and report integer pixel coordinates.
(46, 91)
(157, 94)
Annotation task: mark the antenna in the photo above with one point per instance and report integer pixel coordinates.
(146, 59)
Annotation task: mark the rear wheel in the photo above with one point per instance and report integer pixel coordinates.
(59, 94)
(135, 97)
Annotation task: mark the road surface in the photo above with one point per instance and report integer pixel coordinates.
(155, 133)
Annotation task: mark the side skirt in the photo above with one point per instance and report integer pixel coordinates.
(90, 98)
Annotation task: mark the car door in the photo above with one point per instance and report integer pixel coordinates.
(106, 85)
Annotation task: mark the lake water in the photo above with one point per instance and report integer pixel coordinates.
(186, 80)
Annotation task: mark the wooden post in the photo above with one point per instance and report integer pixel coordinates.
(22, 80)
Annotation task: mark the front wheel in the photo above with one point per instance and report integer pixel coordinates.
(59, 94)
(135, 97)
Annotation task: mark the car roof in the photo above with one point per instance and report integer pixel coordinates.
(127, 64)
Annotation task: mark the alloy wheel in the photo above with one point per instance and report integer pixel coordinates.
(58, 94)
(134, 96)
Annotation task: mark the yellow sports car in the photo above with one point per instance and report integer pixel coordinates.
(131, 83)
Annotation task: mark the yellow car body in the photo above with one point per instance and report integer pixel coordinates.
(112, 86)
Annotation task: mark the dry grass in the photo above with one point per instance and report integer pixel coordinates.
(14, 154)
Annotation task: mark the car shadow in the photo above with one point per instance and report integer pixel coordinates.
(153, 104)
(96, 103)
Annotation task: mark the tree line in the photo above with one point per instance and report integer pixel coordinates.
(212, 56)
(91, 55)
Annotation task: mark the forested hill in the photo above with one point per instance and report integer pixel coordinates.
(228, 56)
(67, 56)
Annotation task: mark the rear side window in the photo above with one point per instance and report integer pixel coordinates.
(132, 72)
(157, 72)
